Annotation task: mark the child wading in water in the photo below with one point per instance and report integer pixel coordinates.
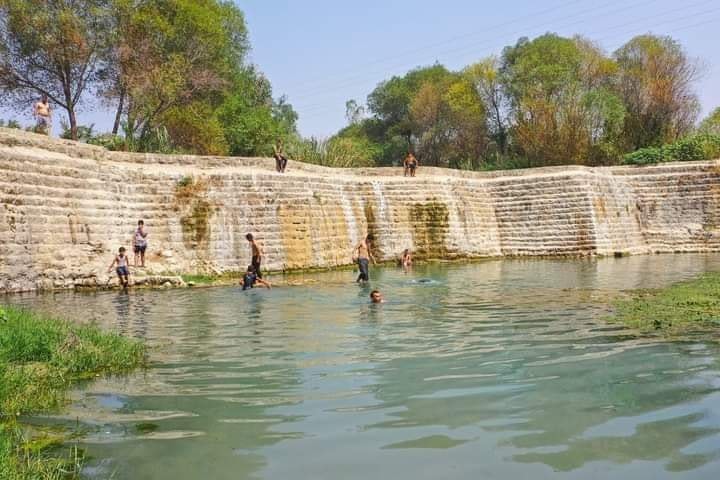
(122, 267)
(362, 256)
(251, 278)
(257, 254)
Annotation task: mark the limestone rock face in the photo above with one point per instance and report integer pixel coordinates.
(67, 207)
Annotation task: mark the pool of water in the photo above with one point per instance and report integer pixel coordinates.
(495, 370)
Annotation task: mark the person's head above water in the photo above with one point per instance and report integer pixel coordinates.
(376, 297)
(249, 237)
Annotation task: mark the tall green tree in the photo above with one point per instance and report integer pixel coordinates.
(53, 48)
(252, 121)
(562, 108)
(711, 124)
(170, 54)
(486, 79)
(656, 79)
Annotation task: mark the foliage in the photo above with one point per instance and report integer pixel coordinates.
(702, 146)
(562, 108)
(686, 307)
(343, 152)
(195, 128)
(39, 360)
(547, 101)
(711, 124)
(251, 121)
(52, 48)
(82, 133)
(655, 81)
(10, 124)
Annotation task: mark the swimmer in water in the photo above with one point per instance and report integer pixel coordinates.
(250, 279)
(406, 260)
(376, 297)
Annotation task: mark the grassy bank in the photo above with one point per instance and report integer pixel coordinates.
(40, 358)
(683, 308)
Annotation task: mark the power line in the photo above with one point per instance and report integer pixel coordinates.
(465, 49)
(450, 40)
(320, 109)
(353, 80)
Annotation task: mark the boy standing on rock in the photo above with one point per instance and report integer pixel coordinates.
(121, 259)
(257, 254)
(140, 243)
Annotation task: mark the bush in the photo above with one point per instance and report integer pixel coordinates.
(341, 152)
(39, 359)
(703, 146)
(10, 124)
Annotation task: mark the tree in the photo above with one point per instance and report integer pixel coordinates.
(711, 124)
(656, 80)
(172, 53)
(354, 112)
(52, 48)
(485, 77)
(562, 108)
(252, 122)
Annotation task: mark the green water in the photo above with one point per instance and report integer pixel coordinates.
(498, 370)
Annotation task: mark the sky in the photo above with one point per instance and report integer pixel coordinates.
(321, 53)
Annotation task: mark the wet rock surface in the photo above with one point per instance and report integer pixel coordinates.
(67, 207)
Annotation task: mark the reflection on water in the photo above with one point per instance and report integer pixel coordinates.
(502, 369)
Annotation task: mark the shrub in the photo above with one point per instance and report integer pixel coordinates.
(342, 152)
(703, 146)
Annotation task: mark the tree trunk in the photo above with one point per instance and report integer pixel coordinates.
(118, 114)
(73, 122)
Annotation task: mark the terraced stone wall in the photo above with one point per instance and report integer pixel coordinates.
(67, 207)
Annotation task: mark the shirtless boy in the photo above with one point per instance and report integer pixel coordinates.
(42, 113)
(363, 258)
(257, 254)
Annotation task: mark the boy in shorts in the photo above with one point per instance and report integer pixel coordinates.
(121, 259)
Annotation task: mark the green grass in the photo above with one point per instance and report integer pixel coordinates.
(40, 358)
(683, 308)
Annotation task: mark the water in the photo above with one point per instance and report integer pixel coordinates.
(498, 370)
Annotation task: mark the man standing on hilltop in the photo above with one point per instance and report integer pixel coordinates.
(42, 113)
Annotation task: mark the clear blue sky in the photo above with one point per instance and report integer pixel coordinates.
(321, 53)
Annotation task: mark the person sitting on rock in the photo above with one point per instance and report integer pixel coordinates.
(251, 278)
(121, 259)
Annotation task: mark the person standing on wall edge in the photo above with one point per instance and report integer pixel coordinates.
(363, 258)
(140, 244)
(280, 159)
(43, 114)
(257, 254)
(410, 163)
